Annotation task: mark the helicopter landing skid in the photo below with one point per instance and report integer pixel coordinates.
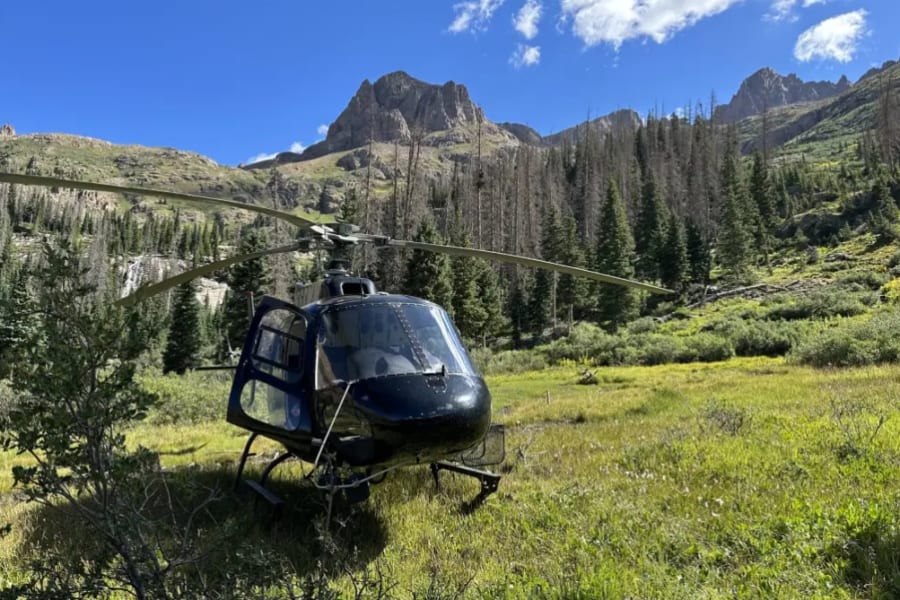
(259, 487)
(489, 481)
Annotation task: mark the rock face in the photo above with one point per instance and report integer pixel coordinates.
(766, 89)
(7, 130)
(620, 120)
(392, 109)
(523, 133)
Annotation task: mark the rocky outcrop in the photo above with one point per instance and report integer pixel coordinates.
(395, 107)
(7, 130)
(523, 133)
(766, 89)
(620, 120)
(877, 70)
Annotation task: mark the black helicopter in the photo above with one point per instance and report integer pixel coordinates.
(355, 381)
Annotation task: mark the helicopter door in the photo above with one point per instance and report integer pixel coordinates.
(267, 393)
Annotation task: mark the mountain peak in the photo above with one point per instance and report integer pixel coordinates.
(766, 89)
(396, 107)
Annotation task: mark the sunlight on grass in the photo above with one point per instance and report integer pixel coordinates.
(743, 478)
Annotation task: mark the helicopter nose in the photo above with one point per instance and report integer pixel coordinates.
(429, 416)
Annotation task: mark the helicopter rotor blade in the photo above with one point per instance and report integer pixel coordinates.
(527, 262)
(119, 189)
(166, 284)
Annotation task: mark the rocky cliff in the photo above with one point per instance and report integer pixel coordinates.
(396, 107)
(620, 120)
(766, 89)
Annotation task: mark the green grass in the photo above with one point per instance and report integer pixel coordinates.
(729, 479)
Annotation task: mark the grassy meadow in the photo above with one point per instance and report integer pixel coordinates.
(745, 478)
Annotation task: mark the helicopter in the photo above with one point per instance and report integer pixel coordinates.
(355, 381)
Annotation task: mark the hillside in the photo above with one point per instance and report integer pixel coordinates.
(804, 127)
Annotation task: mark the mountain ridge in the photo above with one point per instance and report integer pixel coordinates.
(766, 89)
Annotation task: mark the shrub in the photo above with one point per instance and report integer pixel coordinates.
(643, 325)
(585, 341)
(820, 304)
(195, 397)
(891, 291)
(508, 361)
(655, 349)
(760, 338)
(863, 280)
(853, 343)
(706, 347)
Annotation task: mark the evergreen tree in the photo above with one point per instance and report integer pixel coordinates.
(674, 266)
(492, 300)
(615, 248)
(761, 197)
(17, 322)
(734, 241)
(697, 252)
(650, 230)
(542, 299)
(428, 275)
(573, 293)
(540, 302)
(183, 346)
(245, 280)
(517, 307)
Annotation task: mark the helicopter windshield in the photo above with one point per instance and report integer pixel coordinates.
(362, 341)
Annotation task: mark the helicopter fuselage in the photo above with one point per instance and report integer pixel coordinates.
(379, 380)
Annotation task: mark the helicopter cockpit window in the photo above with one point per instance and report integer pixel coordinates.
(277, 351)
(363, 341)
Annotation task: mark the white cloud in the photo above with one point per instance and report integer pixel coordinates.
(528, 17)
(322, 130)
(473, 15)
(296, 147)
(261, 157)
(525, 56)
(783, 10)
(832, 39)
(615, 21)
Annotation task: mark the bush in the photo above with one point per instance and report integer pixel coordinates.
(654, 349)
(508, 361)
(853, 343)
(706, 347)
(584, 342)
(859, 280)
(642, 325)
(195, 397)
(820, 304)
(891, 291)
(760, 338)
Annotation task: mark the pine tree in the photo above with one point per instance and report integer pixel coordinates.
(697, 252)
(245, 280)
(761, 196)
(517, 307)
(492, 299)
(615, 248)
(183, 346)
(650, 230)
(428, 275)
(17, 322)
(540, 303)
(573, 293)
(734, 240)
(674, 266)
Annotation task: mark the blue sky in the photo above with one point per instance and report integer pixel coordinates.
(233, 80)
